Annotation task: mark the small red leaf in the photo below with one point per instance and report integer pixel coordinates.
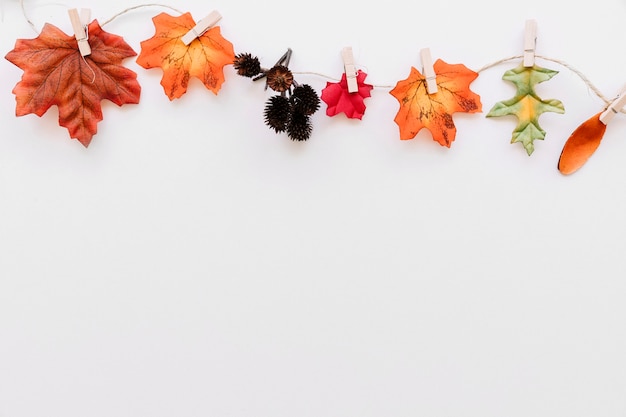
(339, 100)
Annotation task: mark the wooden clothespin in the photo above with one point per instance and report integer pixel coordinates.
(79, 24)
(530, 43)
(350, 69)
(429, 71)
(85, 16)
(614, 107)
(201, 27)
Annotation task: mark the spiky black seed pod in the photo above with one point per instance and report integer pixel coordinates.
(278, 113)
(299, 127)
(247, 65)
(279, 78)
(305, 99)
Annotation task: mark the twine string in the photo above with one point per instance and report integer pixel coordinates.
(582, 76)
(30, 22)
(130, 9)
(140, 6)
(93, 73)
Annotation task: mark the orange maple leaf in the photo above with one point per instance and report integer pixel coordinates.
(204, 58)
(419, 110)
(55, 73)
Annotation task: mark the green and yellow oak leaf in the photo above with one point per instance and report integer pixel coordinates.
(526, 105)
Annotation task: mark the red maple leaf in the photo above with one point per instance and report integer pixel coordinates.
(55, 73)
(339, 100)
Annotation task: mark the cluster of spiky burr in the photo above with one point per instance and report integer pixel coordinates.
(289, 110)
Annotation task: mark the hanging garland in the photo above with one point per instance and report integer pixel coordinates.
(75, 73)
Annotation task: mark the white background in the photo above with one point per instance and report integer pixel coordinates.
(191, 262)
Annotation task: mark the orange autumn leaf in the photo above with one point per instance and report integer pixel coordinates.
(581, 144)
(204, 58)
(55, 74)
(419, 110)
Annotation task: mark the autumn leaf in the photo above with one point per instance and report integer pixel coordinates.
(55, 73)
(581, 144)
(204, 58)
(419, 110)
(339, 100)
(526, 105)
